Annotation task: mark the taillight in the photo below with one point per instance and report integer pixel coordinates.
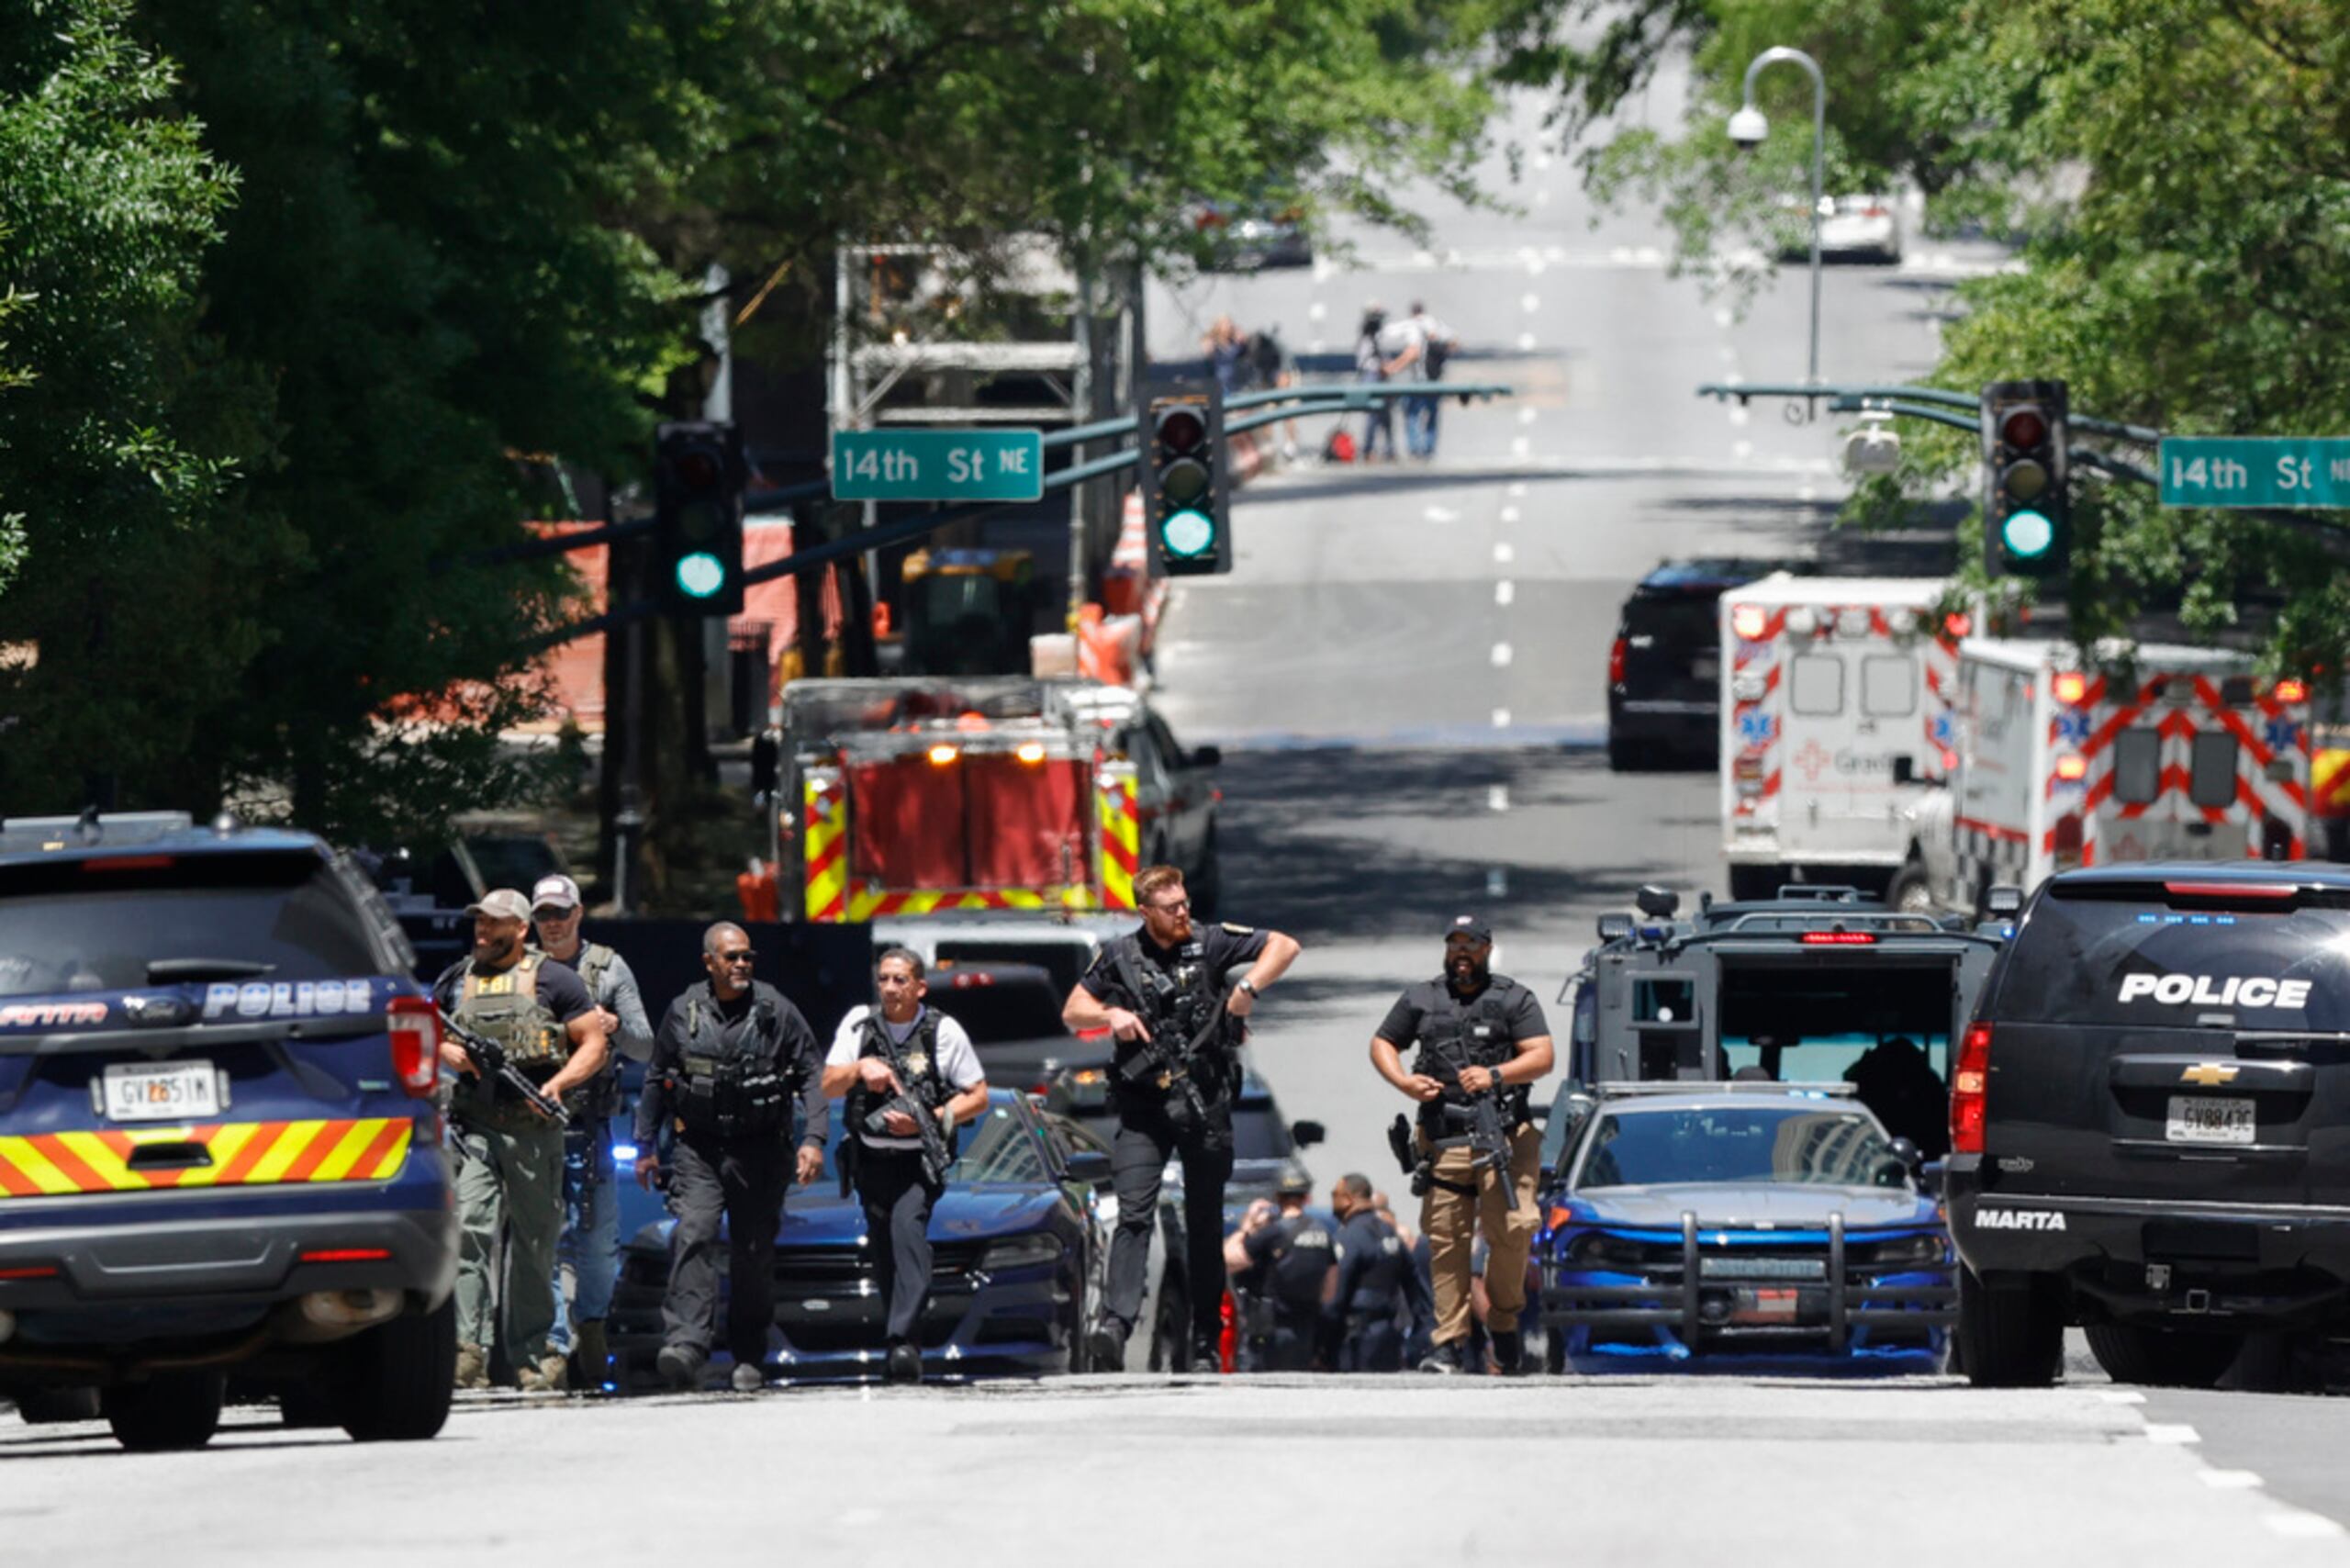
(2065, 845)
(1616, 662)
(1966, 1088)
(2289, 691)
(1838, 939)
(414, 1025)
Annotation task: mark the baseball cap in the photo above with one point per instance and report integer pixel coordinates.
(560, 892)
(1472, 926)
(501, 903)
(1295, 1185)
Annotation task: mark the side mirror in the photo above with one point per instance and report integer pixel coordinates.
(766, 765)
(1207, 757)
(1661, 904)
(1905, 770)
(1930, 1178)
(1089, 1167)
(1305, 1135)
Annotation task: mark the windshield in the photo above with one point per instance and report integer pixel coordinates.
(1258, 1133)
(1827, 1146)
(2137, 963)
(993, 1013)
(71, 927)
(997, 1149)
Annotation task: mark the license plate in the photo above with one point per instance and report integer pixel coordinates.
(162, 1092)
(2209, 1118)
(1763, 1267)
(1763, 1304)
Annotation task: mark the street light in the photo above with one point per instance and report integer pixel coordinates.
(1748, 127)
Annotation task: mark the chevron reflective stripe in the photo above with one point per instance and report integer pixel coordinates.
(1121, 834)
(868, 902)
(824, 821)
(236, 1154)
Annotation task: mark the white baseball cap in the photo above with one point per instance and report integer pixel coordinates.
(561, 892)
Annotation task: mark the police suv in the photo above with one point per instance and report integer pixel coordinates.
(2151, 1123)
(219, 1148)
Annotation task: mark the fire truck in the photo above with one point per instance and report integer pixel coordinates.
(914, 797)
(2152, 752)
(1835, 724)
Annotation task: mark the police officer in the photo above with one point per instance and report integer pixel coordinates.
(1280, 1273)
(588, 1252)
(731, 1057)
(511, 1175)
(912, 1050)
(1477, 1031)
(1375, 1286)
(1159, 991)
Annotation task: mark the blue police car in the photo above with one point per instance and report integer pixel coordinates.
(219, 1149)
(1749, 1219)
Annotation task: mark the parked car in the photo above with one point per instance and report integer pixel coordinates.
(1753, 1219)
(1251, 238)
(1665, 692)
(1864, 227)
(1013, 1013)
(1021, 1261)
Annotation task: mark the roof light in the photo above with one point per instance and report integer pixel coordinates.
(1031, 751)
(2072, 768)
(1904, 621)
(1803, 621)
(1958, 623)
(2292, 691)
(940, 756)
(2071, 686)
(1950, 760)
(1838, 938)
(1749, 622)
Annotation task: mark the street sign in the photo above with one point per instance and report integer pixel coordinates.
(2256, 471)
(938, 466)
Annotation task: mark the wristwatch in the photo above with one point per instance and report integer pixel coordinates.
(1250, 986)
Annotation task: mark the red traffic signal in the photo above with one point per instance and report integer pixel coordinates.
(2023, 428)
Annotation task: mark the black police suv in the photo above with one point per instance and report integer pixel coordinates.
(219, 1149)
(2150, 1123)
(1664, 666)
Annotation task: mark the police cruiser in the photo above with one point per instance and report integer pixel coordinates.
(219, 1148)
(2147, 1125)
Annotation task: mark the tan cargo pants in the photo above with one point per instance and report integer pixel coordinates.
(1450, 1221)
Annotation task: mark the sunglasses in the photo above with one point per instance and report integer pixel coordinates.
(1180, 906)
(742, 958)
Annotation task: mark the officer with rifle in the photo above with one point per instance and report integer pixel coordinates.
(1166, 993)
(523, 1035)
(1476, 1152)
(731, 1058)
(910, 1079)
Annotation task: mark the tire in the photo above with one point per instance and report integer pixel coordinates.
(2014, 1336)
(1554, 1351)
(1623, 755)
(2163, 1358)
(1750, 884)
(1909, 891)
(396, 1379)
(54, 1407)
(170, 1410)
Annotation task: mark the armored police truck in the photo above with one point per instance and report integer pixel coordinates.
(1817, 983)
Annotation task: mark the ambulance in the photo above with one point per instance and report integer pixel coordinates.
(1835, 724)
(2152, 752)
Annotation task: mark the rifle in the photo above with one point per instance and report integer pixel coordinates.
(490, 1061)
(935, 1156)
(1487, 1139)
(1175, 1057)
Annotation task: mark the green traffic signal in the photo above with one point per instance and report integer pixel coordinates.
(700, 574)
(1188, 534)
(2026, 535)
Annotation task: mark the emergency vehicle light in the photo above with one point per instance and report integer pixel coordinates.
(1031, 751)
(2292, 691)
(1968, 1082)
(1958, 623)
(965, 979)
(2071, 768)
(346, 1255)
(2071, 686)
(1838, 938)
(1748, 621)
(940, 756)
(413, 1023)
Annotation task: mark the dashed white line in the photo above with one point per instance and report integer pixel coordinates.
(1521, 447)
(1500, 718)
(1525, 343)
(1527, 416)
(1502, 656)
(2229, 1480)
(1509, 514)
(1530, 303)
(1504, 555)
(1724, 316)
(2172, 1433)
(1497, 798)
(2299, 1524)
(1516, 490)
(1316, 312)
(1441, 514)
(1505, 591)
(2119, 1396)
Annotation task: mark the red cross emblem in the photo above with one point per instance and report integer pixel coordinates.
(1812, 759)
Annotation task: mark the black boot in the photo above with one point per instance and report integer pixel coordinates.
(1444, 1359)
(1509, 1355)
(905, 1361)
(1207, 1354)
(1105, 1347)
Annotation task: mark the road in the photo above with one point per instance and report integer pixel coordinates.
(1406, 672)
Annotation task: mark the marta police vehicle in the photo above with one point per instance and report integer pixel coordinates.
(2148, 1123)
(1814, 984)
(219, 1151)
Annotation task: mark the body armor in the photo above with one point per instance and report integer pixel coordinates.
(920, 1074)
(1456, 1033)
(1177, 1005)
(506, 1007)
(602, 1095)
(733, 1089)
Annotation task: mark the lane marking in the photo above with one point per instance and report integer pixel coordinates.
(2299, 1524)
(1509, 514)
(2172, 1433)
(1724, 317)
(2119, 1396)
(1501, 656)
(1316, 312)
(1505, 591)
(1521, 447)
(1500, 718)
(1525, 343)
(1530, 303)
(2229, 1480)
(1441, 514)
(1504, 555)
(1527, 416)
(1516, 490)
(1497, 798)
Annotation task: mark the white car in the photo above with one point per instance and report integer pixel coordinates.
(1851, 226)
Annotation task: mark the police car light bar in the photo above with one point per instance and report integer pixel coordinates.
(1633, 1089)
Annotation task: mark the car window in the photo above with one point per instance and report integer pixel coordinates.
(1024, 1009)
(76, 926)
(1164, 739)
(1675, 622)
(1835, 1146)
(2212, 775)
(995, 1149)
(1258, 1133)
(1816, 686)
(1888, 687)
(2137, 766)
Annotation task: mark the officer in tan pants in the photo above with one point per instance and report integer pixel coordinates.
(1477, 1032)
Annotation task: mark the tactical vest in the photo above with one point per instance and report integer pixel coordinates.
(734, 1091)
(1298, 1264)
(919, 1073)
(506, 1007)
(1471, 1034)
(603, 1093)
(1175, 1005)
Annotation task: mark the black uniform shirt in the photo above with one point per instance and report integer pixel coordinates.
(1372, 1265)
(797, 1054)
(1289, 1260)
(1219, 949)
(1522, 1017)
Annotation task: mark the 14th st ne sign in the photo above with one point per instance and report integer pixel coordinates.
(2256, 471)
(938, 466)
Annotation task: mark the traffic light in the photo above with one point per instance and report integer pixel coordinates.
(698, 478)
(1190, 499)
(2027, 502)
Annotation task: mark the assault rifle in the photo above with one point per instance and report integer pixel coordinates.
(490, 1061)
(1175, 1057)
(1487, 1139)
(935, 1156)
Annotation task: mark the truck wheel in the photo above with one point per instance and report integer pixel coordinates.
(2163, 1358)
(2014, 1336)
(53, 1406)
(1909, 891)
(396, 1379)
(170, 1410)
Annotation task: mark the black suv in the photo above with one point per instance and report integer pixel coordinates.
(1664, 668)
(2150, 1123)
